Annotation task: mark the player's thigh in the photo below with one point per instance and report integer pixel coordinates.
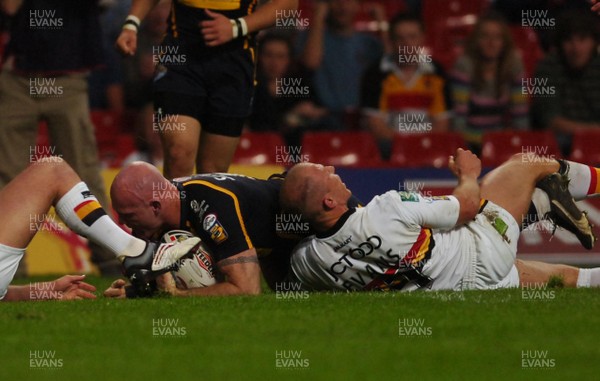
(217, 149)
(511, 185)
(25, 201)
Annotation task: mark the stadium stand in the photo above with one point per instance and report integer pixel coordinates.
(499, 146)
(586, 147)
(430, 150)
(349, 149)
(256, 148)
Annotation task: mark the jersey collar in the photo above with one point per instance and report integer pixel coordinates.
(338, 225)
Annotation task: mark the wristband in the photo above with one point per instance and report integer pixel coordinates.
(234, 28)
(132, 23)
(244, 26)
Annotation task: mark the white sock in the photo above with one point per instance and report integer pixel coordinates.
(82, 212)
(9, 262)
(588, 277)
(540, 200)
(583, 179)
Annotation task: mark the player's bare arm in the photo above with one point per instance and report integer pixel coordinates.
(466, 166)
(220, 29)
(242, 272)
(126, 43)
(68, 287)
(10, 7)
(596, 6)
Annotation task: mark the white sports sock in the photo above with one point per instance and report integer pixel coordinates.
(588, 277)
(583, 179)
(82, 212)
(540, 200)
(9, 262)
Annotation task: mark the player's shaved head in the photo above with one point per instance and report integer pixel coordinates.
(136, 183)
(303, 190)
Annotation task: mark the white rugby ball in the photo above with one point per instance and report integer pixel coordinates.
(197, 271)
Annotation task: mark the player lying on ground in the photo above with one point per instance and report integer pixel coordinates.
(235, 216)
(403, 241)
(51, 182)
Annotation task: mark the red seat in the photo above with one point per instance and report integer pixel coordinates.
(107, 124)
(586, 147)
(257, 148)
(347, 149)
(425, 150)
(497, 147)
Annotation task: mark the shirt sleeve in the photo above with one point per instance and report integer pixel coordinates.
(438, 212)
(221, 225)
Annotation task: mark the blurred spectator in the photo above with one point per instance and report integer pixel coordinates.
(487, 83)
(53, 45)
(537, 14)
(106, 84)
(573, 77)
(338, 55)
(404, 93)
(283, 100)
(147, 139)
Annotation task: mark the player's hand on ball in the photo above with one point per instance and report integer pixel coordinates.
(73, 287)
(216, 31)
(127, 42)
(166, 283)
(116, 289)
(465, 163)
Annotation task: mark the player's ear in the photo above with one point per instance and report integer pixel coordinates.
(156, 206)
(329, 202)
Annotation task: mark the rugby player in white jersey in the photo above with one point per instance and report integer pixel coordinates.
(467, 240)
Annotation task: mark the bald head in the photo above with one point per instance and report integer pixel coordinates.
(302, 190)
(136, 183)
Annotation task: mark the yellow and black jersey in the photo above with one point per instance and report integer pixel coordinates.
(184, 31)
(230, 213)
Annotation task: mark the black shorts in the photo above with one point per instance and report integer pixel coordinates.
(217, 90)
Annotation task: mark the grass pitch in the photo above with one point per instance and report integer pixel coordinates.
(493, 335)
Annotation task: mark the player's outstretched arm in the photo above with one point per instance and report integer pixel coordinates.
(466, 166)
(68, 287)
(126, 43)
(242, 272)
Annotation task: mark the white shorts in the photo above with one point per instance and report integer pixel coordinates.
(475, 256)
(9, 262)
(494, 253)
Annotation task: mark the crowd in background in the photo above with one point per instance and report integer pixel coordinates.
(381, 65)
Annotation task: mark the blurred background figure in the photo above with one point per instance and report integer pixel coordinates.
(338, 56)
(405, 91)
(487, 83)
(53, 46)
(289, 109)
(573, 73)
(148, 147)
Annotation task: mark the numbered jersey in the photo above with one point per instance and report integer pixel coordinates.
(399, 241)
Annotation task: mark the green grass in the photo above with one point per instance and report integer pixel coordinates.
(474, 335)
